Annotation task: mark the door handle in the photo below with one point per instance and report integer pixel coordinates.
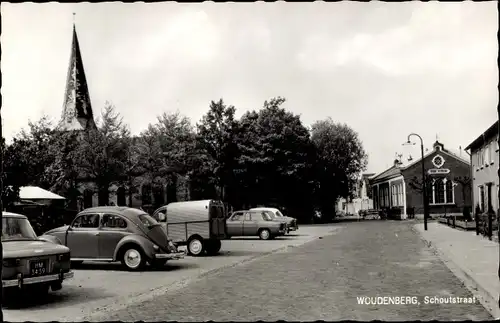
(96, 234)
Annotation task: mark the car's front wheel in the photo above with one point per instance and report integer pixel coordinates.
(133, 258)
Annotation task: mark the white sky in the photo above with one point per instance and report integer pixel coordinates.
(386, 69)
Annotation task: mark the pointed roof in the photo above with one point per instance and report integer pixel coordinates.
(77, 110)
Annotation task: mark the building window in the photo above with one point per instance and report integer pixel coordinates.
(480, 158)
(481, 198)
(492, 152)
(442, 191)
(438, 192)
(486, 160)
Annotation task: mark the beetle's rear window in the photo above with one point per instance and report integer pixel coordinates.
(147, 220)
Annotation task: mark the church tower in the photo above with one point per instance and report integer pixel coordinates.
(77, 110)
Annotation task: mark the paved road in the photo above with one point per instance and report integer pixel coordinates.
(321, 280)
(98, 287)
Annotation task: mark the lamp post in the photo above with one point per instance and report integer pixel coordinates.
(1, 196)
(498, 138)
(424, 186)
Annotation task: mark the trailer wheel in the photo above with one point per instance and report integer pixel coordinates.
(213, 247)
(195, 246)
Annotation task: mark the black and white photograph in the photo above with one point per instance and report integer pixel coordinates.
(260, 161)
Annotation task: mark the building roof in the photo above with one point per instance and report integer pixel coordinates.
(490, 133)
(77, 110)
(37, 193)
(388, 173)
(395, 171)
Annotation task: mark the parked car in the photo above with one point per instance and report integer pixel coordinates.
(254, 223)
(276, 214)
(114, 233)
(198, 224)
(29, 261)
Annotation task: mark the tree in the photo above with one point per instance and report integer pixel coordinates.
(216, 134)
(275, 159)
(102, 153)
(340, 158)
(466, 184)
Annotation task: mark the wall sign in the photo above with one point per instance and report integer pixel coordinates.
(435, 171)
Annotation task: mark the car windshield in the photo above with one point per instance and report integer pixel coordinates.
(278, 213)
(147, 220)
(14, 229)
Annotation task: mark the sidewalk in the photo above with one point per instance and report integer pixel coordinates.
(473, 259)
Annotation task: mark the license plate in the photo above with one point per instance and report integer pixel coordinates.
(38, 267)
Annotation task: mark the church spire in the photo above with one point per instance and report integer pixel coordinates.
(77, 110)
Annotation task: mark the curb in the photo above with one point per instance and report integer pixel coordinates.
(488, 301)
(151, 294)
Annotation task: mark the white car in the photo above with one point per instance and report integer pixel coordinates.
(276, 214)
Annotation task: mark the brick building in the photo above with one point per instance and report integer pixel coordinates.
(484, 161)
(447, 178)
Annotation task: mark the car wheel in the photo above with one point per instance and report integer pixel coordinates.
(264, 234)
(133, 258)
(195, 247)
(213, 247)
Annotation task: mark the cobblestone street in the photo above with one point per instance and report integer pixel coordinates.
(321, 280)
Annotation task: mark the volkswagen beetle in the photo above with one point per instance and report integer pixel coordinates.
(113, 233)
(28, 261)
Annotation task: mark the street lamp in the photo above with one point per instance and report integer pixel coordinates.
(424, 186)
(1, 196)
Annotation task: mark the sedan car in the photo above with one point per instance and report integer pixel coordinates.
(113, 233)
(254, 223)
(28, 261)
(276, 214)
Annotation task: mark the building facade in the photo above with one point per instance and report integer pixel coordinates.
(485, 162)
(447, 178)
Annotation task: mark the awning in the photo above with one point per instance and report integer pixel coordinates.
(37, 193)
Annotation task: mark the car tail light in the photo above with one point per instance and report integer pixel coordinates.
(11, 262)
(63, 257)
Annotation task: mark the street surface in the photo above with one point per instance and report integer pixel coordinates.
(101, 287)
(321, 280)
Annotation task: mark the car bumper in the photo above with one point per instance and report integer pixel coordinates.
(175, 255)
(20, 281)
(293, 228)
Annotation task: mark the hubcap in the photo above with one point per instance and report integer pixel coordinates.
(195, 247)
(264, 234)
(132, 258)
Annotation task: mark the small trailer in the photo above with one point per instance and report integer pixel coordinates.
(200, 225)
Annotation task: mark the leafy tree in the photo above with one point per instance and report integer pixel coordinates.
(340, 158)
(216, 135)
(102, 153)
(276, 159)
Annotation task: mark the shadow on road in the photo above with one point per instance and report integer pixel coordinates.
(69, 295)
(239, 253)
(287, 237)
(115, 266)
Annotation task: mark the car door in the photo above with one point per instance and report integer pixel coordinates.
(250, 224)
(82, 236)
(113, 228)
(235, 224)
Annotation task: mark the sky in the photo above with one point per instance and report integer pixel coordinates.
(385, 69)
